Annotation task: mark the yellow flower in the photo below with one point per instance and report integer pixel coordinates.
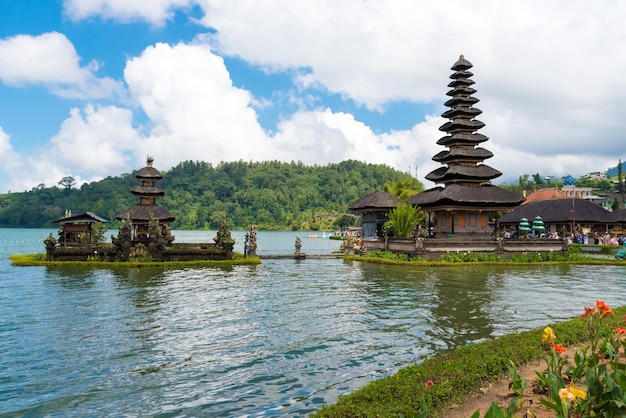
(578, 393)
(548, 335)
(566, 395)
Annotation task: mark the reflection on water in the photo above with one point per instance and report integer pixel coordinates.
(280, 338)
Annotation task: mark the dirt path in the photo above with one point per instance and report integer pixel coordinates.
(500, 393)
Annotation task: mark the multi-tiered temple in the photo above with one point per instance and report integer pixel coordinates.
(147, 210)
(465, 203)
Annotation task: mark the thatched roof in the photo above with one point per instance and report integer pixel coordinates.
(142, 213)
(377, 201)
(560, 211)
(149, 172)
(619, 215)
(147, 190)
(476, 173)
(486, 196)
(85, 217)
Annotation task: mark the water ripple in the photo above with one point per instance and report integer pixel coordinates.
(279, 339)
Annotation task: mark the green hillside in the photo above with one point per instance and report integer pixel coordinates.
(271, 194)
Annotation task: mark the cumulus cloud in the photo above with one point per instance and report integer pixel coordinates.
(51, 60)
(157, 12)
(195, 111)
(96, 142)
(548, 74)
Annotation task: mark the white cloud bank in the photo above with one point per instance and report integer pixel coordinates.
(548, 73)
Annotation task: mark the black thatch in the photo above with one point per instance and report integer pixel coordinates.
(142, 213)
(486, 196)
(147, 190)
(85, 217)
(462, 139)
(149, 172)
(620, 215)
(462, 172)
(478, 154)
(377, 201)
(560, 211)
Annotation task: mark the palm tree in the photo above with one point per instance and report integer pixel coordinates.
(403, 220)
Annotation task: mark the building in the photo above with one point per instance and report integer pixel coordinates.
(76, 230)
(465, 204)
(147, 210)
(374, 209)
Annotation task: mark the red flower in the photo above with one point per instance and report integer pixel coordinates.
(429, 384)
(588, 311)
(559, 348)
(604, 309)
(620, 331)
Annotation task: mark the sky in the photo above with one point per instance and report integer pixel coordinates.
(90, 88)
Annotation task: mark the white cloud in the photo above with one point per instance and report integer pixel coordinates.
(51, 60)
(96, 143)
(548, 74)
(154, 11)
(195, 112)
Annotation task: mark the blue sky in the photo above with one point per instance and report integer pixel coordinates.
(89, 88)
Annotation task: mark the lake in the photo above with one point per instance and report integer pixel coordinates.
(277, 339)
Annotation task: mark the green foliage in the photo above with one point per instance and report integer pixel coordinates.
(470, 257)
(404, 188)
(271, 194)
(395, 256)
(449, 377)
(403, 220)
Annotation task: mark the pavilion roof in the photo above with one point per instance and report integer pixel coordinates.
(560, 210)
(84, 217)
(377, 201)
(486, 195)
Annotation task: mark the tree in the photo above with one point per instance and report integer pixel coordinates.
(537, 179)
(404, 188)
(403, 220)
(67, 182)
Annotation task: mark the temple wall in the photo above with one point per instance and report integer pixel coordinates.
(432, 248)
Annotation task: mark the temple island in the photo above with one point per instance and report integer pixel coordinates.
(463, 209)
(144, 233)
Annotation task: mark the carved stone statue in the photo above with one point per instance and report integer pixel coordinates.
(50, 243)
(252, 241)
(298, 245)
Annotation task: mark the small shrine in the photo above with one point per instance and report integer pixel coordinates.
(77, 230)
(465, 203)
(139, 217)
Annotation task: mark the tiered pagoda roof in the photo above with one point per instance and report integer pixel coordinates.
(464, 177)
(148, 193)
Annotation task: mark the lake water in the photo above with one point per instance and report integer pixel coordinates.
(277, 339)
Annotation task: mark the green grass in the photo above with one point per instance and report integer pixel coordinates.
(477, 258)
(455, 374)
(40, 260)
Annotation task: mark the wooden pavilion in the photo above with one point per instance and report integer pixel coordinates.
(374, 209)
(76, 230)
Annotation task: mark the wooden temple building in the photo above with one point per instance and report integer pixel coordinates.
(463, 208)
(374, 209)
(465, 204)
(139, 216)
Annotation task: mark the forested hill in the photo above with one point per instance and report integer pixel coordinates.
(272, 195)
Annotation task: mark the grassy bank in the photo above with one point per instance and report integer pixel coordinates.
(23, 260)
(454, 374)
